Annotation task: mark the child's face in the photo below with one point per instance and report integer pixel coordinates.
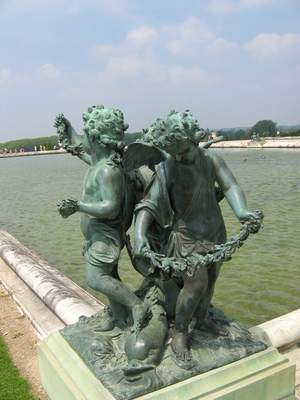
(183, 151)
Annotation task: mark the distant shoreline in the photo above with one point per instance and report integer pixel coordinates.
(292, 142)
(33, 153)
(289, 142)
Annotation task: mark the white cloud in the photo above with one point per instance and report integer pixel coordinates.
(194, 35)
(177, 46)
(187, 34)
(221, 45)
(104, 50)
(135, 38)
(129, 66)
(192, 76)
(272, 45)
(142, 35)
(48, 71)
(147, 69)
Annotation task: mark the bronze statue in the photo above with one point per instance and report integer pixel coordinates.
(181, 202)
(174, 185)
(104, 220)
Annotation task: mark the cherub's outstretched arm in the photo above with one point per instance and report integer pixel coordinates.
(235, 195)
(69, 139)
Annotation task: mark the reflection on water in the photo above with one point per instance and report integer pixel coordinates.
(260, 282)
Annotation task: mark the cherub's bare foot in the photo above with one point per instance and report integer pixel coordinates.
(139, 314)
(110, 324)
(209, 325)
(179, 346)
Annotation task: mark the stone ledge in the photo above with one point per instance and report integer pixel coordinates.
(66, 299)
(266, 375)
(42, 318)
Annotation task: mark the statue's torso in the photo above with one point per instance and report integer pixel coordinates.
(103, 174)
(193, 197)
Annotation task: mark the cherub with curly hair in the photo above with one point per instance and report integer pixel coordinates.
(103, 208)
(181, 204)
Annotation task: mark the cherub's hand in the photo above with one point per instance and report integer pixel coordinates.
(141, 246)
(67, 207)
(254, 219)
(62, 126)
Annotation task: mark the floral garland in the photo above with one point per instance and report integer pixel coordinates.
(220, 252)
(61, 126)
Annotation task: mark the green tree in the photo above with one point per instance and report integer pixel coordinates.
(239, 134)
(48, 146)
(265, 127)
(131, 137)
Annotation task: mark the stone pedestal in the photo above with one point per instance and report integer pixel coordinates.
(266, 375)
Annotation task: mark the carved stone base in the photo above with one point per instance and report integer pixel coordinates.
(265, 375)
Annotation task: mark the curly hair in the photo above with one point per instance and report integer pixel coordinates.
(108, 126)
(174, 126)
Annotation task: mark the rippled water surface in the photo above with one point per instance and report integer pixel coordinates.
(260, 282)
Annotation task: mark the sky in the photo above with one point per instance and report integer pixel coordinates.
(230, 62)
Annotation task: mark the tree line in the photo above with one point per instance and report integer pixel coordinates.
(46, 142)
(264, 128)
(49, 143)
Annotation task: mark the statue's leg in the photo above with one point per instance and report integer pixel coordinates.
(190, 295)
(171, 292)
(103, 279)
(201, 312)
(119, 311)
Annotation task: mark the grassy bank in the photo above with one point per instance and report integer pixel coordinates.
(12, 385)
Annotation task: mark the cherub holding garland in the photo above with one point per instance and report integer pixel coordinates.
(181, 203)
